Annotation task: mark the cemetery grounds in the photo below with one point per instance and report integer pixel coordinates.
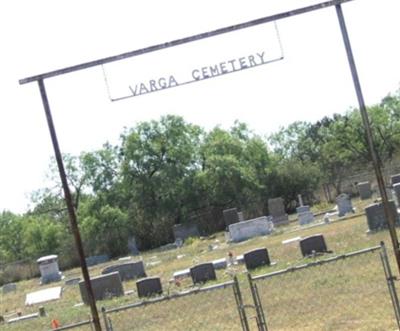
(347, 294)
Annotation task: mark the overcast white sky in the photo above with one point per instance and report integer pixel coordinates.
(312, 81)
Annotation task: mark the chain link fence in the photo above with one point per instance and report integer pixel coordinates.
(354, 291)
(208, 308)
(348, 292)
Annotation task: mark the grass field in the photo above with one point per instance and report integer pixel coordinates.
(356, 291)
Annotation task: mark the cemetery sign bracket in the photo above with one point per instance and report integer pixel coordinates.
(67, 194)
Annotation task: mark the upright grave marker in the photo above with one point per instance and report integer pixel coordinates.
(276, 209)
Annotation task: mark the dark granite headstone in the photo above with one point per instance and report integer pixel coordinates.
(313, 244)
(202, 273)
(256, 258)
(396, 193)
(148, 287)
(231, 216)
(394, 179)
(104, 287)
(364, 189)
(185, 230)
(130, 270)
(376, 216)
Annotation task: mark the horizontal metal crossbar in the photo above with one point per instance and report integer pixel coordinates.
(172, 296)
(316, 263)
(182, 41)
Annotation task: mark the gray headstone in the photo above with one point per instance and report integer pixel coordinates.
(104, 287)
(49, 271)
(202, 273)
(276, 209)
(256, 258)
(240, 216)
(96, 259)
(185, 230)
(10, 287)
(127, 271)
(315, 243)
(231, 216)
(376, 216)
(302, 209)
(305, 217)
(132, 246)
(344, 205)
(394, 179)
(148, 287)
(260, 226)
(364, 189)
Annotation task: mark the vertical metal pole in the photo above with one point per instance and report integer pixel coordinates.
(368, 131)
(70, 206)
(239, 304)
(390, 283)
(262, 325)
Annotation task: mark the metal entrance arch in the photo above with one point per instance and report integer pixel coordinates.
(67, 194)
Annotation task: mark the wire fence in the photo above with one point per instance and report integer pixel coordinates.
(354, 291)
(348, 292)
(208, 308)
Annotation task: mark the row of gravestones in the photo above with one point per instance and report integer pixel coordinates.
(109, 284)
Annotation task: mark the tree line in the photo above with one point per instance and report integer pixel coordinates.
(170, 172)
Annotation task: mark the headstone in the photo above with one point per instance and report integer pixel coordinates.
(276, 209)
(376, 216)
(48, 294)
(185, 230)
(127, 271)
(302, 209)
(10, 287)
(394, 179)
(260, 226)
(364, 189)
(202, 273)
(231, 216)
(304, 215)
(104, 287)
(344, 205)
(240, 216)
(148, 287)
(396, 193)
(313, 244)
(96, 259)
(132, 247)
(49, 271)
(256, 258)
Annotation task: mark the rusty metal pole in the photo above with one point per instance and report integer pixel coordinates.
(368, 131)
(70, 206)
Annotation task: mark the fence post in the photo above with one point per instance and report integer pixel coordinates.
(104, 313)
(239, 304)
(390, 282)
(261, 323)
